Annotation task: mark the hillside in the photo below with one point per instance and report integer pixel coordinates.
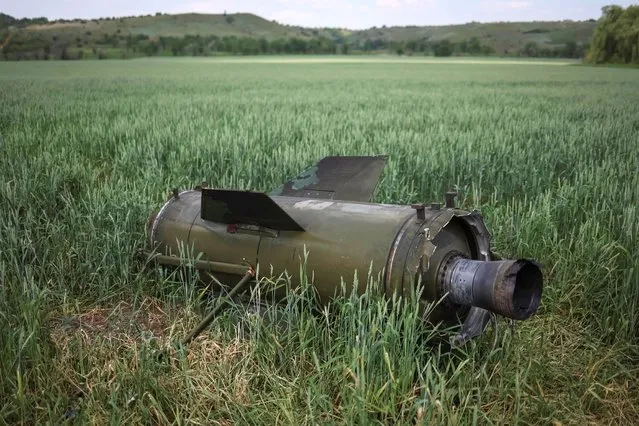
(132, 35)
(501, 36)
(239, 25)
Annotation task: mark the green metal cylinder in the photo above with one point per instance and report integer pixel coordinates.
(397, 245)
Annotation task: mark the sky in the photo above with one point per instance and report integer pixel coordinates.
(353, 14)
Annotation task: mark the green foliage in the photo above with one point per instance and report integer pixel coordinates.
(246, 34)
(570, 50)
(537, 31)
(9, 21)
(189, 45)
(443, 48)
(88, 150)
(616, 38)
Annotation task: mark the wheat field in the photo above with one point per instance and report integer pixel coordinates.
(549, 154)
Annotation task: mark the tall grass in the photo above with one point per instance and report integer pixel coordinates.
(549, 154)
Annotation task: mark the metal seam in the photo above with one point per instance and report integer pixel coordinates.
(156, 222)
(391, 255)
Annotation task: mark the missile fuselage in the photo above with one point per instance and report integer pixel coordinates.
(445, 249)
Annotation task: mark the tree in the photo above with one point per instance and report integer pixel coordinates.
(616, 37)
(531, 49)
(474, 46)
(487, 50)
(151, 49)
(64, 53)
(368, 45)
(263, 45)
(463, 46)
(443, 48)
(570, 50)
(412, 45)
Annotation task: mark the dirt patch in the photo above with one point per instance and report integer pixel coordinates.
(122, 323)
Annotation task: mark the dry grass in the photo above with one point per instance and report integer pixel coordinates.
(120, 325)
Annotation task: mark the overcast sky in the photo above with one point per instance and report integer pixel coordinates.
(353, 14)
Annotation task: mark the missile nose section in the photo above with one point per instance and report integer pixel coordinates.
(511, 288)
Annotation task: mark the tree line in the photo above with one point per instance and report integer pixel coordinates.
(616, 37)
(128, 46)
(9, 21)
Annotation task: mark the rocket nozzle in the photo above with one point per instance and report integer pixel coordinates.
(511, 288)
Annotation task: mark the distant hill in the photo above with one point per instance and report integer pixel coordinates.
(241, 24)
(135, 35)
(501, 36)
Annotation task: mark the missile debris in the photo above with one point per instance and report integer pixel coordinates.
(326, 211)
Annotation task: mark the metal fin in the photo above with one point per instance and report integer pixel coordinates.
(246, 208)
(337, 178)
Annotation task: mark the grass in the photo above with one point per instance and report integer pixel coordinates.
(89, 149)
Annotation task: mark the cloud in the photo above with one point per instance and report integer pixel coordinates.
(389, 3)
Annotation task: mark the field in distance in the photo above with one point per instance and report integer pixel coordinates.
(90, 148)
(373, 59)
